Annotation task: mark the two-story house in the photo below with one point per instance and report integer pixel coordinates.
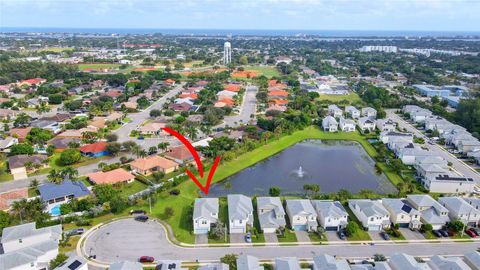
(371, 213)
(460, 209)
(331, 215)
(205, 213)
(270, 214)
(240, 213)
(431, 211)
(302, 215)
(352, 112)
(402, 213)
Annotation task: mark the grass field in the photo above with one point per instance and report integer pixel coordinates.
(352, 98)
(267, 71)
(97, 66)
(189, 190)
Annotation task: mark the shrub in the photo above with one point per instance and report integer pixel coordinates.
(69, 157)
(175, 192)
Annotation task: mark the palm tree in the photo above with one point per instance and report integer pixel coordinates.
(69, 173)
(152, 150)
(19, 208)
(192, 132)
(205, 129)
(55, 177)
(34, 183)
(163, 145)
(142, 153)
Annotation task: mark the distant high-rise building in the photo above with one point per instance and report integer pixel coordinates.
(227, 53)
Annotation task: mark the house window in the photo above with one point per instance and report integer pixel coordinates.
(204, 222)
(371, 219)
(20, 240)
(241, 221)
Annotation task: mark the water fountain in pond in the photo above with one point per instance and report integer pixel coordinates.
(300, 172)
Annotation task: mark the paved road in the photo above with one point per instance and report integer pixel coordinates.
(458, 165)
(128, 240)
(138, 118)
(247, 108)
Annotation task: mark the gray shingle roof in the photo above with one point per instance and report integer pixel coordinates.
(126, 265)
(20, 160)
(332, 209)
(272, 207)
(328, 262)
(73, 263)
(29, 229)
(26, 255)
(239, 206)
(204, 207)
(458, 205)
(51, 191)
(287, 263)
(370, 207)
(473, 259)
(246, 262)
(300, 207)
(399, 206)
(215, 266)
(442, 263)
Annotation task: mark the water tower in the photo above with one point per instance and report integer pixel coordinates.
(227, 53)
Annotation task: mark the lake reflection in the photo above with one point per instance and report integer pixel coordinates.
(331, 164)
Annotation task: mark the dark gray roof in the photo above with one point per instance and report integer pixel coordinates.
(62, 143)
(51, 191)
(20, 160)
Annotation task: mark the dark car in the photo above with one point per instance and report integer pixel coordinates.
(385, 236)
(437, 233)
(471, 233)
(140, 138)
(443, 232)
(146, 259)
(248, 238)
(76, 231)
(341, 235)
(141, 218)
(137, 212)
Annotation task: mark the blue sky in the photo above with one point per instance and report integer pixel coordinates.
(437, 15)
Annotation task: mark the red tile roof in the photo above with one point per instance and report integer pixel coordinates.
(188, 95)
(111, 177)
(232, 87)
(94, 147)
(278, 93)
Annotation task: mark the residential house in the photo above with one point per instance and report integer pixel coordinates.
(7, 143)
(331, 215)
(247, 262)
(53, 195)
(436, 178)
(76, 133)
(386, 125)
(74, 263)
(287, 263)
(214, 266)
(371, 213)
(366, 123)
(20, 133)
(369, 112)
(302, 215)
(146, 166)
(184, 106)
(402, 261)
(117, 176)
(97, 149)
(240, 213)
(472, 259)
(402, 213)
(226, 94)
(19, 237)
(347, 125)
(420, 116)
(431, 211)
(328, 262)
(466, 146)
(61, 144)
(270, 214)
(179, 154)
(126, 265)
(409, 154)
(20, 165)
(330, 124)
(391, 137)
(335, 111)
(473, 201)
(461, 210)
(37, 256)
(205, 213)
(153, 128)
(438, 262)
(352, 112)
(50, 125)
(7, 114)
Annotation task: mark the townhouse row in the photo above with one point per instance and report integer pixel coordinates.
(306, 215)
(365, 119)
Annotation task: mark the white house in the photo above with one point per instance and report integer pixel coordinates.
(420, 115)
(388, 137)
(369, 112)
(74, 263)
(240, 213)
(402, 213)
(347, 125)
(461, 210)
(438, 262)
(431, 211)
(371, 213)
(330, 124)
(247, 262)
(352, 112)
(205, 213)
(335, 111)
(366, 123)
(270, 214)
(331, 215)
(386, 125)
(302, 215)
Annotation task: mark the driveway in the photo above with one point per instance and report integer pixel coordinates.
(127, 239)
(302, 236)
(411, 235)
(333, 236)
(201, 239)
(270, 238)
(237, 238)
(376, 236)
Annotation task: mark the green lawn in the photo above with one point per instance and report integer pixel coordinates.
(429, 235)
(4, 174)
(223, 217)
(360, 235)
(97, 66)
(267, 71)
(189, 191)
(54, 162)
(288, 236)
(132, 188)
(315, 237)
(352, 98)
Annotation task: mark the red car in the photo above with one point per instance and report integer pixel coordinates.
(146, 259)
(471, 233)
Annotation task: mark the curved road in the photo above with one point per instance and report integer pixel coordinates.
(127, 239)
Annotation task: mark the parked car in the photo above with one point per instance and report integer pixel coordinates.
(471, 233)
(248, 238)
(385, 236)
(141, 218)
(146, 259)
(476, 230)
(473, 230)
(76, 231)
(437, 233)
(342, 235)
(141, 138)
(443, 232)
(137, 211)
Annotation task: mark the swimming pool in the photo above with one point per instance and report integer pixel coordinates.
(55, 211)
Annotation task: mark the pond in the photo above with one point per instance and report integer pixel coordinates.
(333, 165)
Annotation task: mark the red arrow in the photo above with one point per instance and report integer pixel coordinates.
(196, 157)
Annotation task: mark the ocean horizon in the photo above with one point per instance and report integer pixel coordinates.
(244, 32)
